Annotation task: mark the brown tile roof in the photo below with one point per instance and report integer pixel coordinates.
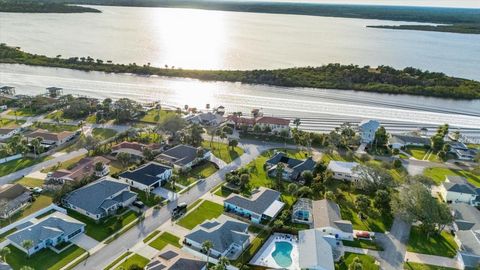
(84, 167)
(241, 120)
(134, 145)
(272, 120)
(51, 136)
(4, 131)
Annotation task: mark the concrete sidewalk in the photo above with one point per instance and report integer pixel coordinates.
(432, 260)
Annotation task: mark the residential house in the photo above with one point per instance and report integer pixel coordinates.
(228, 236)
(343, 170)
(147, 177)
(314, 251)
(292, 168)
(6, 133)
(457, 189)
(264, 204)
(275, 124)
(55, 229)
(303, 211)
(175, 259)
(367, 130)
(183, 157)
(51, 139)
(462, 152)
(13, 198)
(327, 218)
(240, 122)
(85, 167)
(467, 233)
(100, 198)
(208, 119)
(135, 149)
(398, 141)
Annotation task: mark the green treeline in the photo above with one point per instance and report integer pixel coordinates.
(455, 28)
(26, 6)
(383, 79)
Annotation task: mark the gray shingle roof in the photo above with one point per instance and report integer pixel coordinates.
(92, 197)
(50, 228)
(223, 233)
(326, 213)
(406, 139)
(466, 216)
(297, 166)
(257, 204)
(146, 175)
(179, 155)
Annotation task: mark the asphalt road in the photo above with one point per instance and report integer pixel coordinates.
(394, 244)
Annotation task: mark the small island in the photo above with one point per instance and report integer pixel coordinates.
(382, 79)
(18, 6)
(455, 28)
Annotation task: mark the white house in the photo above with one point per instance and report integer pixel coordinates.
(6, 133)
(315, 253)
(398, 141)
(327, 218)
(456, 189)
(228, 236)
(275, 124)
(148, 176)
(367, 129)
(100, 198)
(50, 232)
(343, 170)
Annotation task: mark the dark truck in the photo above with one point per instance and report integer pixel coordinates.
(179, 211)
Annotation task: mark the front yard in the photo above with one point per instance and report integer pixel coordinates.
(103, 229)
(10, 123)
(16, 165)
(368, 262)
(223, 151)
(203, 170)
(440, 245)
(164, 239)
(438, 174)
(30, 182)
(103, 133)
(206, 210)
(416, 152)
(419, 266)
(135, 259)
(55, 127)
(44, 259)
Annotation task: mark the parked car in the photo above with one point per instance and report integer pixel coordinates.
(138, 204)
(363, 234)
(180, 210)
(37, 190)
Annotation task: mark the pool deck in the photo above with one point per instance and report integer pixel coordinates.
(264, 255)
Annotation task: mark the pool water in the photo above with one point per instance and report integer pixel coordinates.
(282, 253)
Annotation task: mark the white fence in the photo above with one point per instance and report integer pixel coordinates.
(27, 218)
(10, 158)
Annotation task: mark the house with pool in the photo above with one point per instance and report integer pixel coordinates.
(263, 205)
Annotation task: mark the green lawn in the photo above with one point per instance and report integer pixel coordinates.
(419, 266)
(43, 259)
(103, 133)
(150, 200)
(154, 117)
(367, 261)
(40, 202)
(417, 152)
(164, 239)
(105, 228)
(206, 210)
(438, 175)
(16, 165)
(10, 123)
(58, 114)
(440, 245)
(22, 112)
(362, 243)
(151, 236)
(121, 257)
(223, 192)
(7, 233)
(30, 182)
(338, 157)
(203, 170)
(132, 260)
(223, 151)
(254, 246)
(54, 127)
(68, 164)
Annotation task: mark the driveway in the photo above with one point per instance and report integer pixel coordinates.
(394, 244)
(432, 260)
(165, 193)
(84, 241)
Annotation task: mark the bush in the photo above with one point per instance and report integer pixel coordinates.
(397, 163)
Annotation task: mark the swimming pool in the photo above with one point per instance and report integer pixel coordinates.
(282, 253)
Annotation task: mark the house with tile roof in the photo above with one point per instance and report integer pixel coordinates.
(228, 236)
(135, 149)
(457, 189)
(292, 169)
(83, 168)
(264, 204)
(13, 198)
(275, 124)
(148, 176)
(100, 198)
(467, 233)
(51, 231)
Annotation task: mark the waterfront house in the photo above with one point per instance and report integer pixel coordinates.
(398, 141)
(147, 177)
(343, 170)
(100, 198)
(457, 189)
(228, 236)
(275, 124)
(462, 152)
(467, 233)
(56, 229)
(183, 157)
(367, 130)
(13, 198)
(314, 251)
(292, 168)
(50, 139)
(175, 259)
(85, 167)
(263, 205)
(208, 119)
(327, 218)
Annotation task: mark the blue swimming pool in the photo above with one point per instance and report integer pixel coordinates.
(282, 253)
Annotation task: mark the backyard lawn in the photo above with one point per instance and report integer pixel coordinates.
(203, 170)
(438, 175)
(43, 259)
(164, 239)
(100, 231)
(135, 259)
(22, 112)
(367, 261)
(30, 182)
(154, 117)
(223, 151)
(206, 210)
(16, 165)
(440, 245)
(10, 123)
(54, 127)
(103, 133)
(419, 266)
(416, 151)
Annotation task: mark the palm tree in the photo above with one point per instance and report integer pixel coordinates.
(292, 189)
(222, 263)
(27, 244)
(297, 122)
(4, 252)
(206, 247)
(37, 144)
(279, 173)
